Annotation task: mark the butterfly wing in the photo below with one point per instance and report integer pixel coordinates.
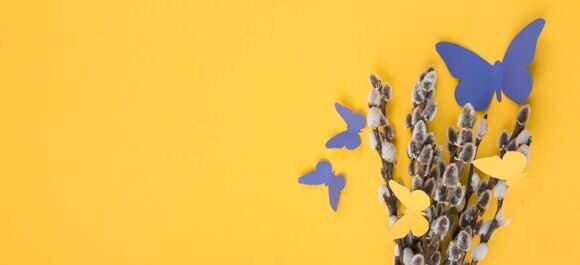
(349, 139)
(320, 175)
(335, 186)
(517, 80)
(420, 225)
(354, 121)
(311, 178)
(400, 191)
(417, 200)
(410, 222)
(477, 78)
(512, 165)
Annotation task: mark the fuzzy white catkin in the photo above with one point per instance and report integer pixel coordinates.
(386, 93)
(481, 128)
(461, 204)
(373, 140)
(466, 117)
(479, 252)
(500, 189)
(374, 117)
(388, 151)
(397, 251)
(420, 131)
(430, 110)
(463, 240)
(374, 98)
(392, 220)
(484, 228)
(453, 252)
(523, 137)
(474, 181)
(441, 225)
(407, 256)
(382, 191)
(451, 176)
(500, 220)
(430, 79)
(418, 95)
(418, 259)
(525, 149)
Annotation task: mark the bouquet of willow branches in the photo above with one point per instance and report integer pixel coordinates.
(454, 219)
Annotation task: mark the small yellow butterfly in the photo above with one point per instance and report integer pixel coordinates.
(510, 169)
(413, 220)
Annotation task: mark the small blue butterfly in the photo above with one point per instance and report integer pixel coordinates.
(479, 80)
(349, 138)
(323, 174)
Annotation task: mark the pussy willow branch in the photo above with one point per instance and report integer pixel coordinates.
(382, 136)
(469, 189)
(519, 140)
(462, 154)
(422, 151)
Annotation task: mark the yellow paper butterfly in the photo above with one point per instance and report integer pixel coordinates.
(413, 220)
(510, 169)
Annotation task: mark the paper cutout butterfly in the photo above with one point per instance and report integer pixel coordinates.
(479, 80)
(510, 169)
(349, 138)
(413, 220)
(323, 174)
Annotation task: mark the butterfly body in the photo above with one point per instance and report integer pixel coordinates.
(323, 174)
(479, 80)
(498, 79)
(350, 138)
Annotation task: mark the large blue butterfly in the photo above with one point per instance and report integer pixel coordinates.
(323, 174)
(349, 138)
(479, 80)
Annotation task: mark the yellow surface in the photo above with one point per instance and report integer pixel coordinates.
(173, 132)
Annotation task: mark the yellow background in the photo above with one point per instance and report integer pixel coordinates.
(173, 132)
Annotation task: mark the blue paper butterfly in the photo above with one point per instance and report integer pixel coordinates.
(349, 138)
(323, 174)
(479, 79)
